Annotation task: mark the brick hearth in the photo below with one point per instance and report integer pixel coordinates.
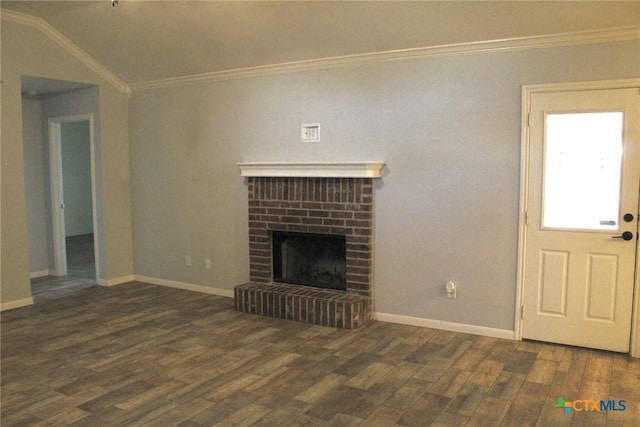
(338, 206)
(336, 309)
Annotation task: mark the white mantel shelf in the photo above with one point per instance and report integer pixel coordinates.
(312, 169)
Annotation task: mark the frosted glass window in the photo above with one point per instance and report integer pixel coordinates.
(582, 170)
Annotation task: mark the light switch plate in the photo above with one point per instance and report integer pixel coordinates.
(310, 132)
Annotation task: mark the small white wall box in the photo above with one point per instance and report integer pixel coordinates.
(310, 132)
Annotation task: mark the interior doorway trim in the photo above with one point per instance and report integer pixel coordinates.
(527, 92)
(57, 191)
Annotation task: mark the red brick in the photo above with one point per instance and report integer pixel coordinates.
(358, 247)
(341, 214)
(335, 206)
(311, 205)
(362, 215)
(297, 212)
(362, 231)
(260, 252)
(277, 211)
(358, 278)
(358, 223)
(359, 262)
(366, 240)
(359, 270)
(333, 221)
(260, 265)
(311, 221)
(341, 230)
(320, 229)
(298, 228)
(351, 254)
(357, 286)
(276, 226)
(290, 219)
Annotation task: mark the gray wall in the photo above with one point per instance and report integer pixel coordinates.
(446, 208)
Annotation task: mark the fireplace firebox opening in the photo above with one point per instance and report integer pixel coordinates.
(317, 260)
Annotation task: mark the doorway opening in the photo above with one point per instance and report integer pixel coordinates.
(72, 208)
(60, 175)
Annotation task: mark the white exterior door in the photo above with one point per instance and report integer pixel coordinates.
(582, 217)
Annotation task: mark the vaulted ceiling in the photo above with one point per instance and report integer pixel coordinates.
(142, 41)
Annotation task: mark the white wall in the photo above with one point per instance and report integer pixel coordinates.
(446, 207)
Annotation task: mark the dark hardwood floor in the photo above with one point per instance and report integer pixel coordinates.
(140, 354)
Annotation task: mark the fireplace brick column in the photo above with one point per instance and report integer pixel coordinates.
(337, 206)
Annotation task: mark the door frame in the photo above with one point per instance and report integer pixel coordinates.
(527, 92)
(57, 190)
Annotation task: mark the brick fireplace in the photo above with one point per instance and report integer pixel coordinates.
(333, 200)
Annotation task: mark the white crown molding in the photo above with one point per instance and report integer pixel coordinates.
(66, 44)
(312, 169)
(516, 43)
(519, 43)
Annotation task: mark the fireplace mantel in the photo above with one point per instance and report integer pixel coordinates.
(312, 169)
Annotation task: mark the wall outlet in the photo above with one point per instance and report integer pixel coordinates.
(452, 289)
(187, 260)
(207, 263)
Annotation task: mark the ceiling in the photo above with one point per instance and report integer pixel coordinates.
(143, 41)
(37, 87)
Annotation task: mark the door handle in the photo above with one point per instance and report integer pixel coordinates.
(627, 235)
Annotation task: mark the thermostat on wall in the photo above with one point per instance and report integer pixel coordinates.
(310, 132)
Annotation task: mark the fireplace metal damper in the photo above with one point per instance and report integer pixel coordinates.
(332, 203)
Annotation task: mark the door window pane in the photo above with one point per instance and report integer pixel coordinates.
(582, 170)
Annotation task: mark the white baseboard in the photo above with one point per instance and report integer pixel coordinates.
(185, 286)
(42, 273)
(16, 304)
(447, 326)
(115, 282)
